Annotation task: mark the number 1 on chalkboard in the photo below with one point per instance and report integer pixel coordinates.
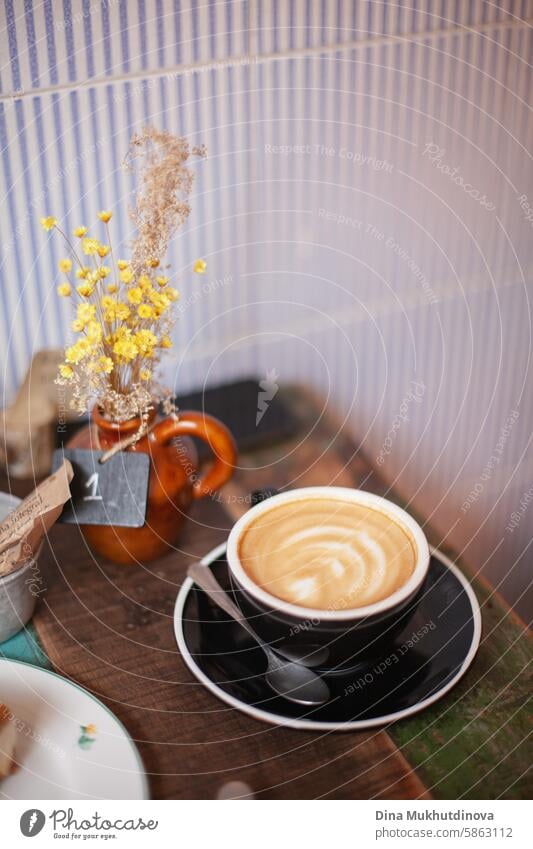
(92, 484)
(111, 494)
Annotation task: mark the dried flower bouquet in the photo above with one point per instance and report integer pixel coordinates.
(124, 312)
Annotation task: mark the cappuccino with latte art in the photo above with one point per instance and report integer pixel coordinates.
(327, 553)
(331, 572)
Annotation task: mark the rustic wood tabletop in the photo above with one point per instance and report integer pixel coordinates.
(109, 628)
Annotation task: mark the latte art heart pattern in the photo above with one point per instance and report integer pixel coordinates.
(327, 554)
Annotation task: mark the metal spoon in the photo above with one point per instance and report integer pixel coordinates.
(289, 679)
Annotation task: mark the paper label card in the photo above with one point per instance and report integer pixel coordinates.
(110, 493)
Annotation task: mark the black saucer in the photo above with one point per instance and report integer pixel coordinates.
(428, 658)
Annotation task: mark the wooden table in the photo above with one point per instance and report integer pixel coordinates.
(109, 628)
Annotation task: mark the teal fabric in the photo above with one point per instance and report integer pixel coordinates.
(25, 647)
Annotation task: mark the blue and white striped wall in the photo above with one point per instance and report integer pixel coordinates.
(339, 253)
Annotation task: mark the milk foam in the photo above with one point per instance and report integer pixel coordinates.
(327, 553)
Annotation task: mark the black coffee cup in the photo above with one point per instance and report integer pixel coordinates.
(333, 639)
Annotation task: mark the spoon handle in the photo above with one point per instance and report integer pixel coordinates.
(203, 576)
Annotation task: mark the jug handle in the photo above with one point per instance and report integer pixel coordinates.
(217, 436)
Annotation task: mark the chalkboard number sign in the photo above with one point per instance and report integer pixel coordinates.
(110, 493)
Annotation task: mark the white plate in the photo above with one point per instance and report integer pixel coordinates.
(69, 745)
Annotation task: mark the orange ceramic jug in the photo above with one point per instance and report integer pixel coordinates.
(174, 480)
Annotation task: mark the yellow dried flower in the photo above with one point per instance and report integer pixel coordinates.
(77, 352)
(85, 312)
(135, 295)
(145, 341)
(126, 275)
(90, 246)
(80, 232)
(200, 266)
(112, 288)
(166, 342)
(65, 265)
(83, 272)
(64, 289)
(104, 365)
(103, 250)
(125, 348)
(105, 215)
(158, 299)
(122, 264)
(77, 325)
(103, 272)
(145, 311)
(145, 374)
(66, 371)
(85, 289)
(145, 282)
(94, 331)
(114, 309)
(48, 223)
(162, 281)
(172, 294)
(153, 262)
